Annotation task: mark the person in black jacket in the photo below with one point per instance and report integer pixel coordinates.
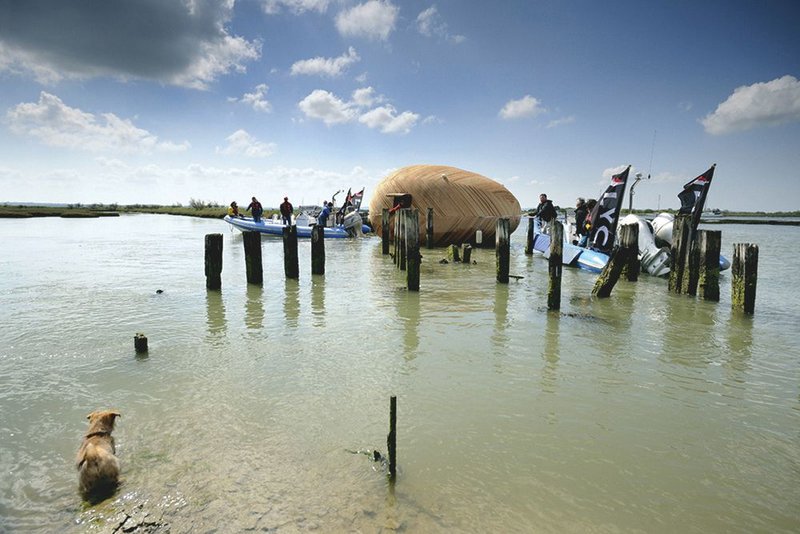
(580, 217)
(546, 213)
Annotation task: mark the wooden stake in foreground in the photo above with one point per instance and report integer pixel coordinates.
(291, 264)
(318, 249)
(708, 278)
(412, 250)
(252, 257)
(213, 261)
(745, 275)
(391, 439)
(140, 343)
(554, 265)
(502, 249)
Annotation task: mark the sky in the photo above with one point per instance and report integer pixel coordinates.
(165, 101)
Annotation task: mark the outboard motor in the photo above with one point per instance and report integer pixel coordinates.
(655, 260)
(662, 228)
(352, 223)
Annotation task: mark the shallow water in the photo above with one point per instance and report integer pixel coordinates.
(642, 412)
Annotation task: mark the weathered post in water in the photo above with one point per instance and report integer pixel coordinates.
(681, 239)
(611, 272)
(318, 249)
(629, 237)
(291, 264)
(140, 343)
(391, 439)
(396, 239)
(691, 272)
(466, 257)
(412, 250)
(402, 243)
(213, 261)
(502, 249)
(385, 231)
(429, 229)
(554, 265)
(454, 253)
(709, 242)
(529, 237)
(745, 275)
(252, 257)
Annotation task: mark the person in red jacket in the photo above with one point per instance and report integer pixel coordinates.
(286, 211)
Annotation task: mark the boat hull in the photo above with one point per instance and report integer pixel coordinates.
(270, 227)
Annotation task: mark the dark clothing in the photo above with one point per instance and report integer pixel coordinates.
(256, 209)
(580, 219)
(545, 211)
(286, 212)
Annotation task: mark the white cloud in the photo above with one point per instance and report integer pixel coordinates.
(374, 19)
(326, 107)
(326, 66)
(527, 106)
(387, 120)
(752, 106)
(365, 97)
(257, 99)
(241, 143)
(56, 124)
(181, 43)
(297, 7)
(430, 24)
(561, 122)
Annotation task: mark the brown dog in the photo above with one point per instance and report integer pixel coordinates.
(98, 467)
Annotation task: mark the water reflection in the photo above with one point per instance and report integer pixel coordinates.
(408, 310)
(739, 345)
(500, 339)
(318, 301)
(550, 352)
(254, 307)
(215, 317)
(291, 301)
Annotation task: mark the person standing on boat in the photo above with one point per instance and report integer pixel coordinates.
(580, 217)
(546, 213)
(587, 223)
(255, 208)
(322, 220)
(286, 211)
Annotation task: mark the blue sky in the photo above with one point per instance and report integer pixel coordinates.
(157, 101)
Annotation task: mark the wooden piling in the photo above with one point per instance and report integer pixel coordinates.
(318, 249)
(554, 265)
(402, 243)
(745, 275)
(291, 264)
(396, 239)
(709, 242)
(529, 237)
(140, 343)
(629, 238)
(466, 255)
(412, 250)
(502, 249)
(429, 229)
(252, 257)
(681, 239)
(454, 253)
(391, 439)
(385, 231)
(213, 261)
(691, 272)
(611, 272)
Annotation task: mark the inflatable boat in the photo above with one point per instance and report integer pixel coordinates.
(351, 227)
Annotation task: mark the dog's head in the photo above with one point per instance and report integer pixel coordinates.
(102, 420)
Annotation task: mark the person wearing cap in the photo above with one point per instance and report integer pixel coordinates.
(286, 211)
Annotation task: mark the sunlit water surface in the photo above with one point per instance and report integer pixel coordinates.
(642, 412)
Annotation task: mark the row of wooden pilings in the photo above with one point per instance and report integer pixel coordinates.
(694, 269)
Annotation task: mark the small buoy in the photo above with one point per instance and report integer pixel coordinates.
(159, 291)
(478, 237)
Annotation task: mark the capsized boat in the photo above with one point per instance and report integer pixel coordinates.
(662, 230)
(352, 226)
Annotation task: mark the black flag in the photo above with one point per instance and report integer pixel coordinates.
(693, 196)
(606, 213)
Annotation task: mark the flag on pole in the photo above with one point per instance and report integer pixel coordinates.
(693, 196)
(605, 214)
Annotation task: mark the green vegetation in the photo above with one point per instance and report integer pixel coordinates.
(196, 208)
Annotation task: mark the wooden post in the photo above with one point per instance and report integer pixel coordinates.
(396, 239)
(502, 249)
(140, 343)
(385, 231)
(681, 238)
(402, 243)
(252, 257)
(213, 261)
(454, 253)
(610, 274)
(629, 238)
(391, 439)
(429, 229)
(745, 275)
(412, 250)
(691, 272)
(554, 265)
(467, 255)
(291, 265)
(317, 249)
(708, 275)
(529, 237)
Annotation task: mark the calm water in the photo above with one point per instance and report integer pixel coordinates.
(643, 412)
